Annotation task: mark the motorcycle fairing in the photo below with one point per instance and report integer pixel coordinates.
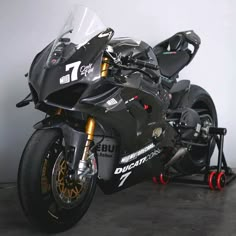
(134, 124)
(45, 81)
(76, 85)
(113, 174)
(128, 174)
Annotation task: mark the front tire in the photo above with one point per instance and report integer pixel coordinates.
(35, 188)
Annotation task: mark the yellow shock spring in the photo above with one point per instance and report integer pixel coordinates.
(104, 67)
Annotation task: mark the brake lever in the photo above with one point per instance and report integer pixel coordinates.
(25, 101)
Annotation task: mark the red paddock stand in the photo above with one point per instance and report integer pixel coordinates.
(216, 177)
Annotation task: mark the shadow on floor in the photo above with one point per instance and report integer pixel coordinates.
(145, 209)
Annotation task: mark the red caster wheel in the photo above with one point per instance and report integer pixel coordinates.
(154, 179)
(217, 180)
(212, 180)
(164, 179)
(220, 181)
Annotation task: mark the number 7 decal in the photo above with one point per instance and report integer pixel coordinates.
(124, 177)
(74, 73)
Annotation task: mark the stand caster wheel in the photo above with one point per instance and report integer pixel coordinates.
(220, 180)
(216, 181)
(163, 179)
(212, 180)
(154, 180)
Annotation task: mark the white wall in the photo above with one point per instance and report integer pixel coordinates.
(26, 26)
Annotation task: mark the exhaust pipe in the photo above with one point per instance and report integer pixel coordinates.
(181, 152)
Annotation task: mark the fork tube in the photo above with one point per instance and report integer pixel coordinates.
(89, 130)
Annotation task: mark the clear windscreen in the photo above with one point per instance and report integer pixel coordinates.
(81, 25)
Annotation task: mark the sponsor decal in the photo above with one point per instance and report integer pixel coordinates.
(134, 155)
(112, 102)
(106, 148)
(131, 166)
(152, 123)
(124, 177)
(103, 34)
(105, 154)
(65, 79)
(85, 70)
(75, 66)
(131, 99)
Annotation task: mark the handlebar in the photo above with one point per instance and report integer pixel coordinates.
(123, 61)
(143, 63)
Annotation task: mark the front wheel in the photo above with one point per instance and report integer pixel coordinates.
(49, 199)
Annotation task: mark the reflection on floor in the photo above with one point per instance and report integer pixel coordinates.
(145, 209)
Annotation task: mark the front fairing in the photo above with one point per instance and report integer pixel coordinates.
(88, 58)
(79, 62)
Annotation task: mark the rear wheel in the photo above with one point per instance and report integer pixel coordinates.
(195, 160)
(50, 200)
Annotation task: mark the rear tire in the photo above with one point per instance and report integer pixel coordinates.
(35, 185)
(195, 160)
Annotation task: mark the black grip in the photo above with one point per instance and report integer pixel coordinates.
(220, 131)
(145, 64)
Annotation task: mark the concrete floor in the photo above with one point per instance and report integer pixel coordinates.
(145, 209)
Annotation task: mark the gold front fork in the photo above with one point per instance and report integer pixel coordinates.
(89, 130)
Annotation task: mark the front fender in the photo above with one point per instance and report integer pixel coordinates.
(75, 140)
(49, 123)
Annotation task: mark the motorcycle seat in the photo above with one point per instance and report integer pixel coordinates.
(173, 54)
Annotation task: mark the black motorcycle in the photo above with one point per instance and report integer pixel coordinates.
(115, 115)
